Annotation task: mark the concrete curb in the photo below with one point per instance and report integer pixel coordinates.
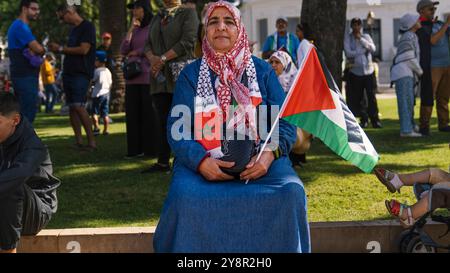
(326, 237)
(90, 240)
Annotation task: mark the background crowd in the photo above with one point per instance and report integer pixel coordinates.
(159, 45)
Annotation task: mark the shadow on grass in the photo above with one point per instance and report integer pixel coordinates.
(102, 188)
(388, 140)
(62, 121)
(108, 194)
(52, 121)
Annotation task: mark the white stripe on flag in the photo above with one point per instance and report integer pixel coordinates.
(336, 115)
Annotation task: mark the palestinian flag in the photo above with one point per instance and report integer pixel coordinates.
(315, 104)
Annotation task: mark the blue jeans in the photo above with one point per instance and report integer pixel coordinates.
(51, 95)
(27, 89)
(404, 88)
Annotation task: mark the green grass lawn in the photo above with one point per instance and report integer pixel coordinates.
(103, 189)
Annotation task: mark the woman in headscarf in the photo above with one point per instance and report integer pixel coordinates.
(286, 71)
(284, 68)
(170, 46)
(209, 207)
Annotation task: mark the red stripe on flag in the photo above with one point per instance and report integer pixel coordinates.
(256, 101)
(310, 91)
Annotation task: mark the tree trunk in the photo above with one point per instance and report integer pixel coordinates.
(113, 19)
(327, 19)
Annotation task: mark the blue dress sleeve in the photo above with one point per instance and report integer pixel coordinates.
(180, 125)
(276, 96)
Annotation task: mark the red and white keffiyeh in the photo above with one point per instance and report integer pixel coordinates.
(212, 110)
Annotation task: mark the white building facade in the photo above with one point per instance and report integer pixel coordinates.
(259, 17)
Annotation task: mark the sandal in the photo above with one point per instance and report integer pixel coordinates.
(385, 177)
(90, 148)
(78, 146)
(396, 208)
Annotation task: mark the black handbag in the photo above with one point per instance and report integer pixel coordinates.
(132, 69)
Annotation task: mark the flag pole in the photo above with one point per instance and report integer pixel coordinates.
(283, 107)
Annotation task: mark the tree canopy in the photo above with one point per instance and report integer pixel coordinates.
(48, 23)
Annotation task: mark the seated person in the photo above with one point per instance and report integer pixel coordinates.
(27, 186)
(210, 208)
(429, 200)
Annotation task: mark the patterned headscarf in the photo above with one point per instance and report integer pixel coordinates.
(231, 65)
(286, 78)
(230, 68)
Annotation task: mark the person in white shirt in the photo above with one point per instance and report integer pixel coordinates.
(406, 71)
(100, 93)
(361, 99)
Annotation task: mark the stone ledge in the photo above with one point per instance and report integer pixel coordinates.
(90, 240)
(326, 237)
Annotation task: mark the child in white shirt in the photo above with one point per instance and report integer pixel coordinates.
(101, 92)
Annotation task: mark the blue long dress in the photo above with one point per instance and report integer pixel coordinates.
(268, 215)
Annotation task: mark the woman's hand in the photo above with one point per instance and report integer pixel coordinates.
(210, 169)
(133, 53)
(258, 169)
(154, 61)
(135, 23)
(157, 65)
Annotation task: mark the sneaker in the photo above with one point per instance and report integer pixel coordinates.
(364, 124)
(416, 128)
(445, 129)
(424, 131)
(412, 134)
(377, 124)
(96, 132)
(157, 168)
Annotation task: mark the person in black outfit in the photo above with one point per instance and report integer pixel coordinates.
(426, 11)
(27, 185)
(79, 66)
(140, 115)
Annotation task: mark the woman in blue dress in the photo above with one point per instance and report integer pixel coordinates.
(210, 209)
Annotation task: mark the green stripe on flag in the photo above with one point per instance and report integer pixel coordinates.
(334, 137)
